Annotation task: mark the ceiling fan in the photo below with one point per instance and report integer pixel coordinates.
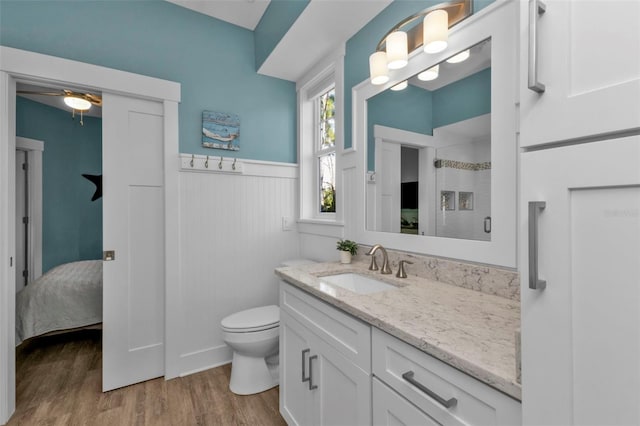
(75, 100)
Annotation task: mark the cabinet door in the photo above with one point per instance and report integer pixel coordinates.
(389, 408)
(588, 60)
(581, 333)
(343, 395)
(295, 396)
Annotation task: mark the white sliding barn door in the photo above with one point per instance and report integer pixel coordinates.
(133, 227)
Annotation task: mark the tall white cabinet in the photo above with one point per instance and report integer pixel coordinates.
(580, 213)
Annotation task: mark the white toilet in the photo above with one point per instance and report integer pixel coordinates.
(253, 335)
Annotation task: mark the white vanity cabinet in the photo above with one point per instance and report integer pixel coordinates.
(581, 332)
(580, 213)
(587, 59)
(442, 394)
(324, 363)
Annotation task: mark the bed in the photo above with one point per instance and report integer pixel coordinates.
(66, 297)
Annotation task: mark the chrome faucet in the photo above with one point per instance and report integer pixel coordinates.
(385, 260)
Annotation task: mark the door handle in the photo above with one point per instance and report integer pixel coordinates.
(311, 385)
(535, 207)
(536, 8)
(487, 224)
(304, 352)
(447, 403)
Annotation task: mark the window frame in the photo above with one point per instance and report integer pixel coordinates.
(322, 77)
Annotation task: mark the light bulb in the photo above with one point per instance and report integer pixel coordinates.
(462, 56)
(400, 86)
(378, 68)
(430, 74)
(77, 103)
(397, 56)
(435, 31)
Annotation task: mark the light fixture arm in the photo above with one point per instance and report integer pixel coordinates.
(458, 11)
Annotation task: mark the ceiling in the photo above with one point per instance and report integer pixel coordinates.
(56, 101)
(244, 13)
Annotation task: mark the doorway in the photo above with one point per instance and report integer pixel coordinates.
(17, 65)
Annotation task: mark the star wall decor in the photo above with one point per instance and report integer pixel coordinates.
(97, 181)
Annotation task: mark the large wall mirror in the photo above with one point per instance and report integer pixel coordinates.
(437, 148)
(429, 150)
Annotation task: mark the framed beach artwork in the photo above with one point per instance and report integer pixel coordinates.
(220, 130)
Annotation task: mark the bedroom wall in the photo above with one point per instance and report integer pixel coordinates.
(213, 60)
(71, 222)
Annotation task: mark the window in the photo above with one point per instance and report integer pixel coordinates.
(325, 150)
(320, 137)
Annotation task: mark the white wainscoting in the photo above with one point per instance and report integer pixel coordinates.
(231, 239)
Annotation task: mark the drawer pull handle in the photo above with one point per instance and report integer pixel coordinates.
(311, 385)
(536, 8)
(447, 403)
(304, 352)
(535, 283)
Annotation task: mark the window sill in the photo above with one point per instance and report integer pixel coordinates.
(324, 227)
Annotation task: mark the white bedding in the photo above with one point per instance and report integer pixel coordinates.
(67, 296)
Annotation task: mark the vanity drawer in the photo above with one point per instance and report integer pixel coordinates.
(476, 403)
(348, 335)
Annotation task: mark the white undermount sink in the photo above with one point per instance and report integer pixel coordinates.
(356, 283)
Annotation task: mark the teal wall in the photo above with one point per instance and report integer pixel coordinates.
(409, 109)
(364, 42)
(274, 24)
(419, 110)
(213, 60)
(71, 222)
(464, 99)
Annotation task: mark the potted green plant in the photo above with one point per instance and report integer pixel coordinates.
(347, 249)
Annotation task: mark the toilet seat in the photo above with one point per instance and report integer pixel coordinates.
(252, 320)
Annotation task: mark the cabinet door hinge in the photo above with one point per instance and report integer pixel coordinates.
(25, 220)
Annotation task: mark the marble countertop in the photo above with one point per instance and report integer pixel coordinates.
(469, 330)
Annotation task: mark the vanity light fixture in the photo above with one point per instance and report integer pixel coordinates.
(407, 36)
(462, 56)
(430, 74)
(400, 86)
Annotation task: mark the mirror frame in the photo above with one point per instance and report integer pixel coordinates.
(498, 22)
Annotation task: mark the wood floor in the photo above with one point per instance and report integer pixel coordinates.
(59, 383)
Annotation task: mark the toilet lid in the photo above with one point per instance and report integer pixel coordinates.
(253, 319)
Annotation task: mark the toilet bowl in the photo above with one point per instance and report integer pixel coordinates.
(253, 337)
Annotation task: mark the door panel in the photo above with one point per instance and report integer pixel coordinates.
(592, 79)
(295, 396)
(581, 334)
(133, 226)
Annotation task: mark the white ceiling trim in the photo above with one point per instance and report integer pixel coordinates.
(323, 27)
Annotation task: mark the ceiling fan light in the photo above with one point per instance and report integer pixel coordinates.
(400, 86)
(435, 31)
(378, 68)
(77, 103)
(462, 56)
(430, 74)
(397, 54)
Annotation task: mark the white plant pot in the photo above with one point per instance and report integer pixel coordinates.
(345, 257)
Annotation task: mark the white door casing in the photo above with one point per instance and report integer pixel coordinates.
(21, 260)
(581, 334)
(22, 65)
(133, 226)
(31, 150)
